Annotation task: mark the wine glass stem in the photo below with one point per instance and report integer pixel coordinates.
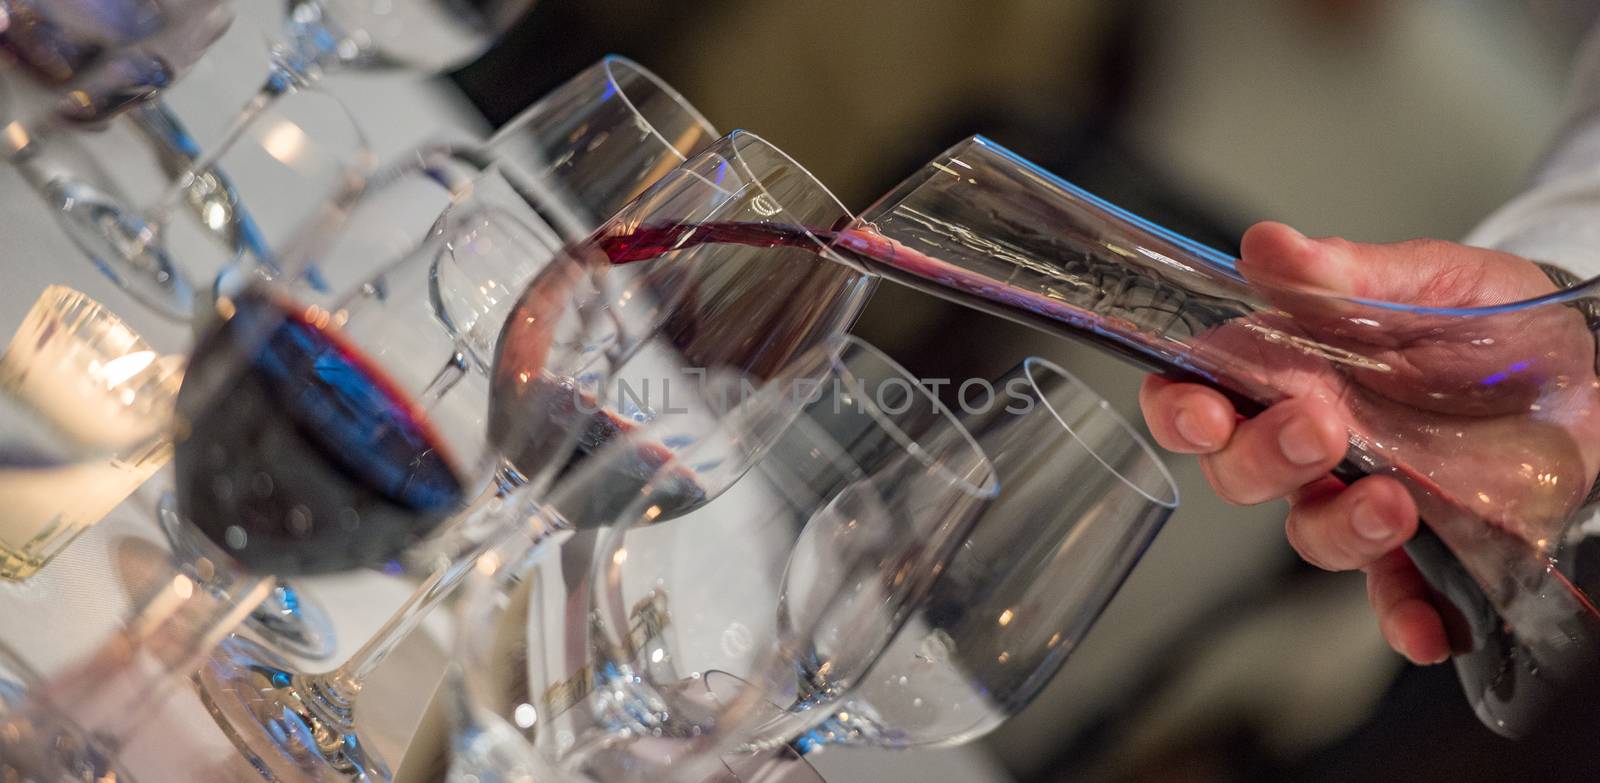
(455, 368)
(342, 685)
(275, 87)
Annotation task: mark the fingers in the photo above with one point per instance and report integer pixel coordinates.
(1344, 528)
(1270, 456)
(1184, 417)
(1420, 271)
(1400, 596)
(1287, 451)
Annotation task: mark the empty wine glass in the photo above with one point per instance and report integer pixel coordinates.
(574, 158)
(1083, 496)
(566, 164)
(307, 144)
(1443, 386)
(102, 687)
(37, 742)
(807, 548)
(318, 35)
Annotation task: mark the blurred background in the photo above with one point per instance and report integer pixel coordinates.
(1223, 659)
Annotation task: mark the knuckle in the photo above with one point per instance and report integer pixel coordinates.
(1294, 530)
(1228, 489)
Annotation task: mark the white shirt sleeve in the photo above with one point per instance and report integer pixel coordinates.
(1557, 220)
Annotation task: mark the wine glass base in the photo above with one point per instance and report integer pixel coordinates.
(287, 619)
(292, 622)
(120, 244)
(42, 746)
(285, 722)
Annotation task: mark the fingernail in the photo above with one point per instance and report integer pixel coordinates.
(1369, 524)
(1188, 425)
(1299, 443)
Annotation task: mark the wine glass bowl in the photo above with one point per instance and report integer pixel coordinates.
(91, 61)
(1084, 494)
(306, 144)
(663, 308)
(569, 162)
(595, 143)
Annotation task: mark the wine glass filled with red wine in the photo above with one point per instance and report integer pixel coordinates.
(563, 165)
(316, 443)
(92, 380)
(592, 350)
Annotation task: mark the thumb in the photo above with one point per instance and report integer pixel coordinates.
(1426, 272)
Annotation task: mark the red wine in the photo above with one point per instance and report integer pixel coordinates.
(558, 408)
(1512, 668)
(301, 456)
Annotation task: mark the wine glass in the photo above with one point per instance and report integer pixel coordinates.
(87, 327)
(317, 35)
(1084, 495)
(669, 667)
(638, 321)
(572, 159)
(1491, 432)
(334, 453)
(307, 144)
(567, 163)
(93, 390)
(39, 742)
(83, 62)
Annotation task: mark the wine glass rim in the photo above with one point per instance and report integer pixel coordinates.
(617, 61)
(988, 488)
(738, 138)
(1033, 364)
(1228, 263)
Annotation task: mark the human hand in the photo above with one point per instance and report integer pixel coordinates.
(1447, 398)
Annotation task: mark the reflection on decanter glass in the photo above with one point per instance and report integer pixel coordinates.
(85, 405)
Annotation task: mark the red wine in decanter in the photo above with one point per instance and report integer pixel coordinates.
(1515, 655)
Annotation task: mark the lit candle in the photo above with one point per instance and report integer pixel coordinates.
(88, 404)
